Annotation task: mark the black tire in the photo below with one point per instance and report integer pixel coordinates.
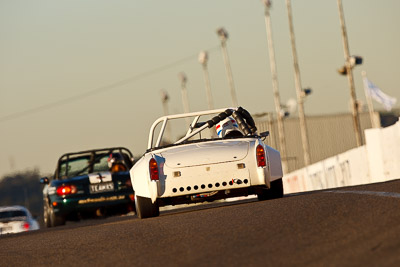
(276, 191)
(54, 219)
(145, 208)
(46, 215)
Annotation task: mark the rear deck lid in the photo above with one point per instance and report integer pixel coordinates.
(205, 153)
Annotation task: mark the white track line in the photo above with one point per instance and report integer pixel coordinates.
(371, 193)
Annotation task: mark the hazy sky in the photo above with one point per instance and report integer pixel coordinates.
(105, 62)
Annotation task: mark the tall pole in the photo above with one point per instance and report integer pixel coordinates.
(369, 101)
(270, 125)
(164, 100)
(299, 91)
(275, 87)
(203, 59)
(349, 69)
(223, 35)
(185, 100)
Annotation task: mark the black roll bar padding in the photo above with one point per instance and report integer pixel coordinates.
(222, 116)
(249, 120)
(228, 112)
(219, 117)
(241, 122)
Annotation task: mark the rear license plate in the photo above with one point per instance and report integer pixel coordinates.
(102, 187)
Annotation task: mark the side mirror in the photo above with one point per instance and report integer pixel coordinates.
(264, 134)
(44, 180)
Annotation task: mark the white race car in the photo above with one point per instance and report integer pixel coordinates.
(16, 219)
(201, 166)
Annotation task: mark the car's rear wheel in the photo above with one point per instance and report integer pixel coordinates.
(276, 191)
(46, 215)
(145, 208)
(55, 220)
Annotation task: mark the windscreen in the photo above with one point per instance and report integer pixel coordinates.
(74, 167)
(9, 214)
(176, 129)
(96, 161)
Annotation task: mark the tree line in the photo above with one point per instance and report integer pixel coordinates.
(23, 188)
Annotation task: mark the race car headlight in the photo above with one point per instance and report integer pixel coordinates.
(260, 155)
(153, 166)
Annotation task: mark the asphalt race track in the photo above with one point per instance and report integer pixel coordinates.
(352, 226)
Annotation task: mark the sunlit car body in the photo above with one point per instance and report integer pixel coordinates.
(84, 186)
(16, 219)
(196, 168)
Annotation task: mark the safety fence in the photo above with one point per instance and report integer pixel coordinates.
(377, 161)
(337, 128)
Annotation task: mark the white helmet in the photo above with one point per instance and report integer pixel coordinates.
(229, 127)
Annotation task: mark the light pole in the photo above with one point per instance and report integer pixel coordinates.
(374, 123)
(275, 87)
(223, 35)
(182, 77)
(203, 59)
(299, 91)
(185, 101)
(349, 72)
(164, 100)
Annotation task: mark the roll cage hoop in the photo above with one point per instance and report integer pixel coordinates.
(91, 153)
(242, 117)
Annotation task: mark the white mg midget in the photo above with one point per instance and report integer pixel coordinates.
(218, 156)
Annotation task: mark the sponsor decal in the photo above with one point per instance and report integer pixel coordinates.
(100, 199)
(100, 177)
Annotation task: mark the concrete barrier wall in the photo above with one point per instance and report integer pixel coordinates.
(377, 161)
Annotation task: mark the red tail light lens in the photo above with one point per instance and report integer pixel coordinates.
(66, 190)
(260, 155)
(26, 226)
(153, 170)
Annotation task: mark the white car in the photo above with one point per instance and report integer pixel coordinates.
(201, 166)
(15, 219)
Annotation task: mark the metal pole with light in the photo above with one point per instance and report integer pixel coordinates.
(182, 77)
(203, 59)
(185, 101)
(223, 35)
(164, 100)
(300, 93)
(349, 72)
(275, 87)
(374, 123)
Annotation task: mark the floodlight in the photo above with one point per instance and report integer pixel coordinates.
(203, 57)
(355, 60)
(182, 77)
(222, 33)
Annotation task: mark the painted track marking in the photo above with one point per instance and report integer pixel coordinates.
(371, 193)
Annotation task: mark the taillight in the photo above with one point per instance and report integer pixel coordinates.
(260, 155)
(153, 169)
(26, 226)
(66, 190)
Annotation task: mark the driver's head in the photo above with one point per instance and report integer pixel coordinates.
(116, 162)
(228, 128)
